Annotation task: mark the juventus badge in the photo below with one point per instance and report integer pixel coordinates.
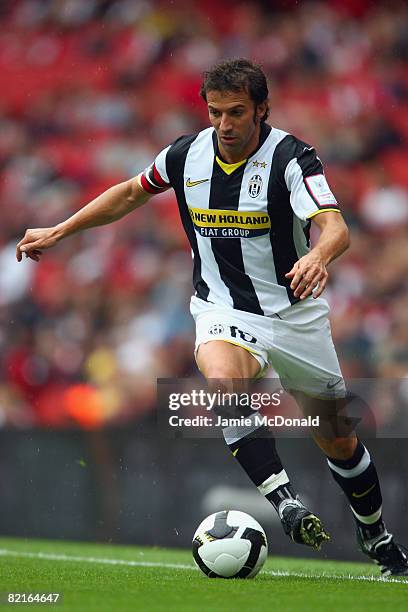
(216, 329)
(255, 186)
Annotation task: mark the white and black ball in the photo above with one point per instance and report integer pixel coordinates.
(230, 544)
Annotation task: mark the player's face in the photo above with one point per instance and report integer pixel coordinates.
(236, 121)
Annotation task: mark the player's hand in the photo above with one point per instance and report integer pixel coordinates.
(309, 276)
(34, 241)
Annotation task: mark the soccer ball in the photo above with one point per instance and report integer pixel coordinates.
(230, 544)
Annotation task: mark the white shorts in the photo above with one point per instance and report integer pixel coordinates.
(297, 343)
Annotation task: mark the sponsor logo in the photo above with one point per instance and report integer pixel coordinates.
(216, 223)
(216, 329)
(255, 186)
(330, 385)
(358, 495)
(190, 183)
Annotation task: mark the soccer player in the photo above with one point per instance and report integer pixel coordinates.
(247, 195)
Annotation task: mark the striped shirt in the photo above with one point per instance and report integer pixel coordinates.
(248, 222)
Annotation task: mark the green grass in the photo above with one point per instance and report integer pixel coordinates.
(88, 581)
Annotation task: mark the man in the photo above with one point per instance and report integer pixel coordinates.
(247, 195)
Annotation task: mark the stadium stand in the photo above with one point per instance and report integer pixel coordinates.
(90, 91)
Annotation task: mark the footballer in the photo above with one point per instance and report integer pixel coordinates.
(247, 195)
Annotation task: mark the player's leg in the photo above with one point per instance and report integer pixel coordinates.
(253, 447)
(219, 359)
(349, 462)
(231, 368)
(314, 366)
(354, 471)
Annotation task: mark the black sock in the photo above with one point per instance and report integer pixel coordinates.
(358, 478)
(256, 453)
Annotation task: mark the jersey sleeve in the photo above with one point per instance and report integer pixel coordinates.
(154, 178)
(310, 193)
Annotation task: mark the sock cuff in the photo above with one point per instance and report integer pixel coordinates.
(239, 442)
(348, 464)
(352, 472)
(370, 519)
(273, 482)
(235, 433)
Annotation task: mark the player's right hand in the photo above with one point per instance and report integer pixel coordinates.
(34, 241)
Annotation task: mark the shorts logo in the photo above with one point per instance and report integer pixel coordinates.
(235, 333)
(216, 329)
(331, 384)
(255, 186)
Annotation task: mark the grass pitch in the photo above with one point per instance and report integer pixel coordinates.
(101, 577)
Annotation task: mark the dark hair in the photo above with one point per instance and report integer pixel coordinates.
(237, 75)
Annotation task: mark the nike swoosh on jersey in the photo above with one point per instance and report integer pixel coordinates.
(194, 183)
(358, 495)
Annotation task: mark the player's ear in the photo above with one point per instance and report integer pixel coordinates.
(261, 109)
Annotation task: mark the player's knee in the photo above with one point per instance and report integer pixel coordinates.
(340, 448)
(227, 384)
(224, 377)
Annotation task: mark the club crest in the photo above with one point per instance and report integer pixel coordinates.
(255, 186)
(216, 329)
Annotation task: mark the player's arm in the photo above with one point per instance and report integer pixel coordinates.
(312, 199)
(309, 274)
(110, 206)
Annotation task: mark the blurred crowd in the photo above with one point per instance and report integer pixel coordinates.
(90, 92)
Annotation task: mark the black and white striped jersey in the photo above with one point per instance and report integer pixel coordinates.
(248, 222)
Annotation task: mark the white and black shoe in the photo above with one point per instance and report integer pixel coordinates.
(389, 555)
(301, 525)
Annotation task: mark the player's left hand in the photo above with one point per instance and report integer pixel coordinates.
(309, 276)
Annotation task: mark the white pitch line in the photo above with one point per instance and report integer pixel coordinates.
(57, 557)
(284, 574)
(4, 552)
